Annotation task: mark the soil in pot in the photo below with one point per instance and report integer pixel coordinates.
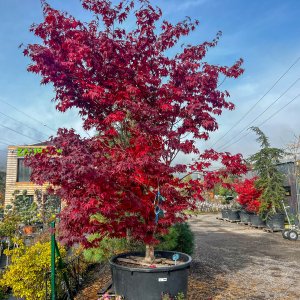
(149, 282)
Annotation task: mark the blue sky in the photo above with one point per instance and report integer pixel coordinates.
(265, 33)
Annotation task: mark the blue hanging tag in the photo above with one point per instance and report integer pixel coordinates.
(156, 211)
(161, 214)
(175, 257)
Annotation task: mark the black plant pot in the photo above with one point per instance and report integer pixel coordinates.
(257, 221)
(150, 283)
(276, 222)
(233, 215)
(224, 213)
(244, 216)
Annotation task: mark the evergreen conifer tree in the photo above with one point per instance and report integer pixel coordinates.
(270, 180)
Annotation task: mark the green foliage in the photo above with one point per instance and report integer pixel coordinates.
(222, 191)
(270, 181)
(25, 207)
(180, 238)
(107, 247)
(227, 192)
(9, 225)
(3, 294)
(47, 205)
(180, 296)
(26, 274)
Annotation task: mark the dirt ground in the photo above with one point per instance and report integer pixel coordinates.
(232, 261)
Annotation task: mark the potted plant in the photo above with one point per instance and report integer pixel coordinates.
(225, 206)
(146, 107)
(230, 208)
(249, 199)
(270, 181)
(234, 211)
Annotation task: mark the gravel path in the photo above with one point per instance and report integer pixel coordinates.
(233, 261)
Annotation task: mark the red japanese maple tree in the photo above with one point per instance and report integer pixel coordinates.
(248, 195)
(146, 107)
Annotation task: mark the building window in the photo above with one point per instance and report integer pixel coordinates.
(287, 190)
(23, 172)
(27, 198)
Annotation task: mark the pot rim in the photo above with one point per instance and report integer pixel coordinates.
(185, 265)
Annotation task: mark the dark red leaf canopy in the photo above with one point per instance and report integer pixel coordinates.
(146, 107)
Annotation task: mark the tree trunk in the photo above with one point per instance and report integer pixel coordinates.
(149, 258)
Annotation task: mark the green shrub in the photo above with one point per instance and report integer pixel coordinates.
(26, 274)
(180, 238)
(3, 294)
(107, 247)
(25, 207)
(9, 226)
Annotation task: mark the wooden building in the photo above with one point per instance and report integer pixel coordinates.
(17, 174)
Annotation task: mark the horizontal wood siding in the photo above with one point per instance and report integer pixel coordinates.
(11, 176)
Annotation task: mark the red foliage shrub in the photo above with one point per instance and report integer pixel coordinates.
(146, 108)
(248, 195)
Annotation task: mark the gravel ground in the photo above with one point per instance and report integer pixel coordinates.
(232, 261)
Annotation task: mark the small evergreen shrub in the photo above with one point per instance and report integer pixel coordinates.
(180, 238)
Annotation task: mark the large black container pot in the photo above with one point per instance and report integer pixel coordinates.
(233, 215)
(244, 216)
(257, 221)
(224, 213)
(149, 284)
(276, 222)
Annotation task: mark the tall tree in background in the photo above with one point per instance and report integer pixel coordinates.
(270, 180)
(146, 106)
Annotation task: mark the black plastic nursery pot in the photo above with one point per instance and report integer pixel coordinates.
(276, 221)
(244, 216)
(233, 215)
(150, 283)
(224, 213)
(257, 221)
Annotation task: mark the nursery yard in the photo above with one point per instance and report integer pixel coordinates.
(232, 261)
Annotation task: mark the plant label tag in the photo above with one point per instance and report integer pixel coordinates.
(162, 279)
(175, 257)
